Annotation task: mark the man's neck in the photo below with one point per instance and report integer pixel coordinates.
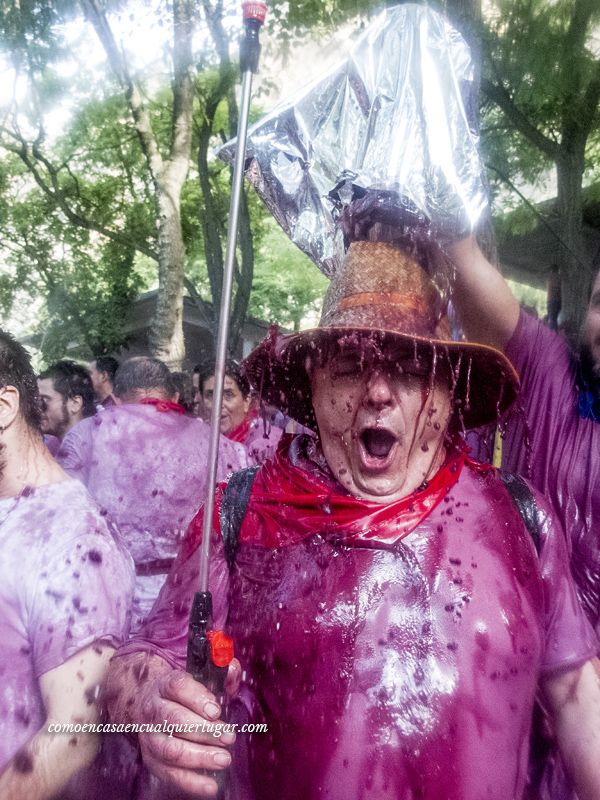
(71, 424)
(107, 391)
(137, 395)
(27, 462)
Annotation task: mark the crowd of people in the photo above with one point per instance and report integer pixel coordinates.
(103, 468)
(396, 606)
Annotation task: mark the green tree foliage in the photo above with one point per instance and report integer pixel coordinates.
(50, 249)
(34, 41)
(90, 195)
(117, 173)
(541, 82)
(287, 286)
(88, 283)
(90, 279)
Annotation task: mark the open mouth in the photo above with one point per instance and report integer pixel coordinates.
(376, 446)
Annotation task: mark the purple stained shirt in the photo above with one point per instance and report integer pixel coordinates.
(52, 443)
(565, 449)
(147, 470)
(262, 440)
(385, 675)
(65, 582)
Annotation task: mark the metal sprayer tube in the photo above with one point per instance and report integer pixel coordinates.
(223, 332)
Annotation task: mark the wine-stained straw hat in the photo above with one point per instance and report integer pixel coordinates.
(381, 292)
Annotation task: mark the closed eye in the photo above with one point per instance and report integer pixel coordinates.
(344, 366)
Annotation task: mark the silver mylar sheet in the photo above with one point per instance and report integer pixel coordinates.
(398, 115)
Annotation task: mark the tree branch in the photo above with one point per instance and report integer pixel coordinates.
(133, 94)
(181, 137)
(589, 106)
(202, 306)
(499, 95)
(574, 41)
(214, 19)
(580, 104)
(54, 192)
(210, 223)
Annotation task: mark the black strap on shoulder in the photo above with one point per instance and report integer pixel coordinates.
(525, 504)
(233, 509)
(237, 495)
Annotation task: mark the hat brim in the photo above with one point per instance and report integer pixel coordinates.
(485, 383)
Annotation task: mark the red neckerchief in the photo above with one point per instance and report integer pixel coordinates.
(289, 504)
(240, 433)
(163, 405)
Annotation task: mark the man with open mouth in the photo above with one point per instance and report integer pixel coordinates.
(393, 614)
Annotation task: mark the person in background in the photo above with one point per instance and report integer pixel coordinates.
(197, 407)
(184, 394)
(65, 594)
(240, 419)
(102, 372)
(144, 462)
(66, 396)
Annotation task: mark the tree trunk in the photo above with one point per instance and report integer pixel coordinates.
(466, 15)
(166, 335)
(210, 222)
(245, 276)
(166, 340)
(168, 175)
(575, 277)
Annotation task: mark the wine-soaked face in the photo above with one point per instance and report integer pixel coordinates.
(56, 418)
(100, 381)
(382, 415)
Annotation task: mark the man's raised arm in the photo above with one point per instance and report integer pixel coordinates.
(487, 308)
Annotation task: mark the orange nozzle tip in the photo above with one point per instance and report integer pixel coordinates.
(221, 648)
(254, 10)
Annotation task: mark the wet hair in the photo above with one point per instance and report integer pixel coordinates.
(72, 380)
(16, 370)
(107, 364)
(232, 370)
(143, 372)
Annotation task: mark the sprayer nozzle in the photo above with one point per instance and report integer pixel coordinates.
(254, 10)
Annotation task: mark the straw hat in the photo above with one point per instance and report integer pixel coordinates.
(383, 293)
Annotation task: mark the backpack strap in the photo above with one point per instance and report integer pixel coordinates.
(233, 510)
(524, 501)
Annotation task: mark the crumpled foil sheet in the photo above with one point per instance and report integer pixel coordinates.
(398, 115)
